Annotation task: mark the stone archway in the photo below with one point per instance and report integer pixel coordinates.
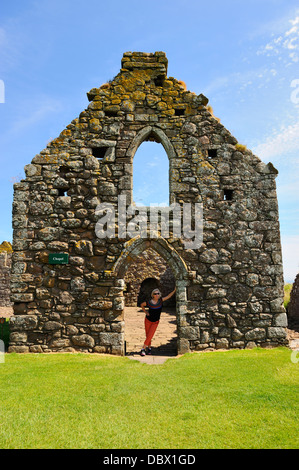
(132, 249)
(148, 272)
(156, 134)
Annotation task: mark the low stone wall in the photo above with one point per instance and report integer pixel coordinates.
(5, 272)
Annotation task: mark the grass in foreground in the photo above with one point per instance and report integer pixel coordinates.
(232, 399)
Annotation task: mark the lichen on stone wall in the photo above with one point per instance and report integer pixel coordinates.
(229, 291)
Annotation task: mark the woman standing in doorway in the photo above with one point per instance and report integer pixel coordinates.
(152, 317)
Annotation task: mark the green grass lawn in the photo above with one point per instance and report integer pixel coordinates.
(232, 399)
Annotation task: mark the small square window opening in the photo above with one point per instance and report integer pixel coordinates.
(227, 194)
(99, 152)
(159, 81)
(179, 112)
(62, 192)
(111, 113)
(212, 153)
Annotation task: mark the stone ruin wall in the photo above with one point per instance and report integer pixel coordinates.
(293, 306)
(5, 274)
(229, 291)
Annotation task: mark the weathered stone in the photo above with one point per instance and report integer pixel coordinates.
(18, 337)
(52, 325)
(65, 298)
(214, 293)
(23, 322)
(48, 233)
(84, 247)
(71, 330)
(209, 256)
(84, 341)
(236, 334)
(42, 293)
(110, 339)
(228, 288)
(220, 268)
(256, 334)
(77, 285)
(222, 343)
(231, 322)
(276, 305)
(63, 202)
(92, 163)
(32, 170)
(101, 304)
(18, 349)
(40, 208)
(277, 332)
(60, 343)
(238, 293)
(22, 297)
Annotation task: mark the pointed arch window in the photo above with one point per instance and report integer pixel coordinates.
(151, 174)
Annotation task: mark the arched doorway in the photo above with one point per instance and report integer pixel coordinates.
(145, 273)
(133, 249)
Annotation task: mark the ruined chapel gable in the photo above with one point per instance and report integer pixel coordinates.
(229, 291)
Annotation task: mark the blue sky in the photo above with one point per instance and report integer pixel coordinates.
(243, 55)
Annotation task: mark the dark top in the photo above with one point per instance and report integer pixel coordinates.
(154, 310)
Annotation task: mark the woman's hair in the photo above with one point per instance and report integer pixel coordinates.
(154, 291)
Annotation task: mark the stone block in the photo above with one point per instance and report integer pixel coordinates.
(255, 334)
(110, 339)
(277, 332)
(84, 341)
(23, 322)
(281, 320)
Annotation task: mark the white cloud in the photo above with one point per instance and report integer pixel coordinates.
(41, 111)
(280, 143)
(290, 255)
(29, 115)
(285, 45)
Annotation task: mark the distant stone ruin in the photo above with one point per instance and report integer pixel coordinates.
(69, 283)
(293, 306)
(5, 274)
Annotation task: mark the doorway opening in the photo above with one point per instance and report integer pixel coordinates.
(147, 272)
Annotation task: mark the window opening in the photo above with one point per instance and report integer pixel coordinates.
(179, 112)
(99, 152)
(62, 192)
(63, 170)
(227, 194)
(111, 113)
(212, 153)
(151, 175)
(159, 81)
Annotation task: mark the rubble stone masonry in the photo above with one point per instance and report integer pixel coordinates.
(5, 273)
(229, 290)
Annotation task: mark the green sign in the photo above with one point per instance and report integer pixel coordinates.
(58, 258)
